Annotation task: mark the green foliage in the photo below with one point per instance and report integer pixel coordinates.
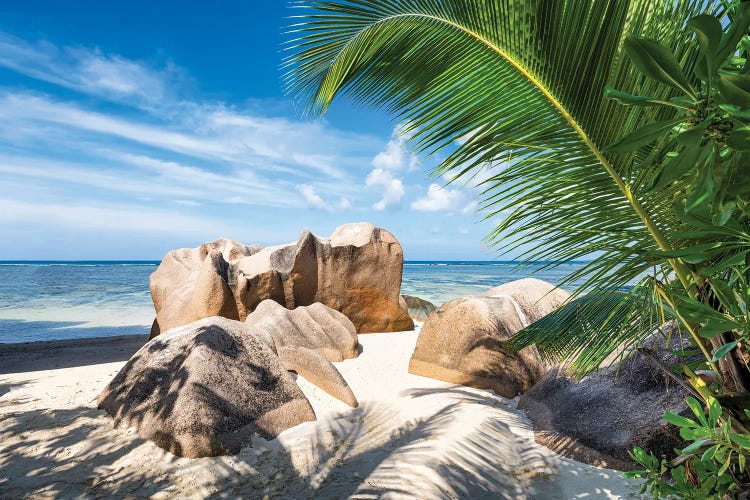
(707, 151)
(614, 128)
(512, 80)
(713, 465)
(707, 130)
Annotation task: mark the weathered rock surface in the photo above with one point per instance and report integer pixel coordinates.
(317, 369)
(535, 298)
(462, 342)
(203, 389)
(307, 339)
(600, 418)
(316, 327)
(191, 284)
(418, 309)
(356, 271)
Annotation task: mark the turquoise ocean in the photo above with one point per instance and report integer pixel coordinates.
(64, 300)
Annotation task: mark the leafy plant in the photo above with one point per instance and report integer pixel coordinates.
(705, 151)
(716, 457)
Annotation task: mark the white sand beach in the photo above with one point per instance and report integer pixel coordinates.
(410, 437)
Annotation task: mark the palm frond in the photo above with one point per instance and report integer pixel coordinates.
(588, 329)
(524, 79)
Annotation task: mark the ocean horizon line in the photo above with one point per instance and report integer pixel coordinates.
(157, 262)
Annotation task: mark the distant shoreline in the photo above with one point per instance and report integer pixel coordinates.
(21, 357)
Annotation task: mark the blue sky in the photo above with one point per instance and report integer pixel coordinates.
(131, 128)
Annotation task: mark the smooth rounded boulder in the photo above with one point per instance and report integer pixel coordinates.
(462, 342)
(307, 339)
(600, 418)
(417, 308)
(192, 284)
(204, 389)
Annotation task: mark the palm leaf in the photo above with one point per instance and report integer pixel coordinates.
(519, 79)
(586, 328)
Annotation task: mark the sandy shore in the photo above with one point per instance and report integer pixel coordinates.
(410, 437)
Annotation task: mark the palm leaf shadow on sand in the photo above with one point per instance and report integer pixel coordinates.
(369, 451)
(358, 453)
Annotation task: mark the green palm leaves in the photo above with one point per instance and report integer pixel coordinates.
(513, 92)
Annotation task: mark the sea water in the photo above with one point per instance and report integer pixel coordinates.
(63, 300)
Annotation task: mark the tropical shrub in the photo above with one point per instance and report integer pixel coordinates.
(712, 466)
(705, 150)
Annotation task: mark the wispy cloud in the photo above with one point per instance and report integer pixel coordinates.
(143, 176)
(122, 218)
(90, 71)
(313, 199)
(130, 147)
(316, 202)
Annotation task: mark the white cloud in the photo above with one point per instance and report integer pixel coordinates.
(315, 201)
(114, 219)
(440, 200)
(463, 230)
(393, 189)
(470, 208)
(312, 198)
(298, 149)
(396, 156)
(155, 178)
(344, 203)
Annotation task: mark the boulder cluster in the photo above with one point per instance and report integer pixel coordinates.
(232, 322)
(204, 388)
(356, 271)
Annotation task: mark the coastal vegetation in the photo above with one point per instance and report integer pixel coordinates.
(616, 131)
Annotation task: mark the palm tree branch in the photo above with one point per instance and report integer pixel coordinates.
(680, 268)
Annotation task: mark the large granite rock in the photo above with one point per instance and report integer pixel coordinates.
(417, 308)
(203, 389)
(316, 327)
(462, 342)
(356, 271)
(600, 418)
(191, 284)
(307, 339)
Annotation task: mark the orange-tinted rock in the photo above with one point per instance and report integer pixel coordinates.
(356, 271)
(192, 283)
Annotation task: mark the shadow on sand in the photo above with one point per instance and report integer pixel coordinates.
(452, 451)
(52, 354)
